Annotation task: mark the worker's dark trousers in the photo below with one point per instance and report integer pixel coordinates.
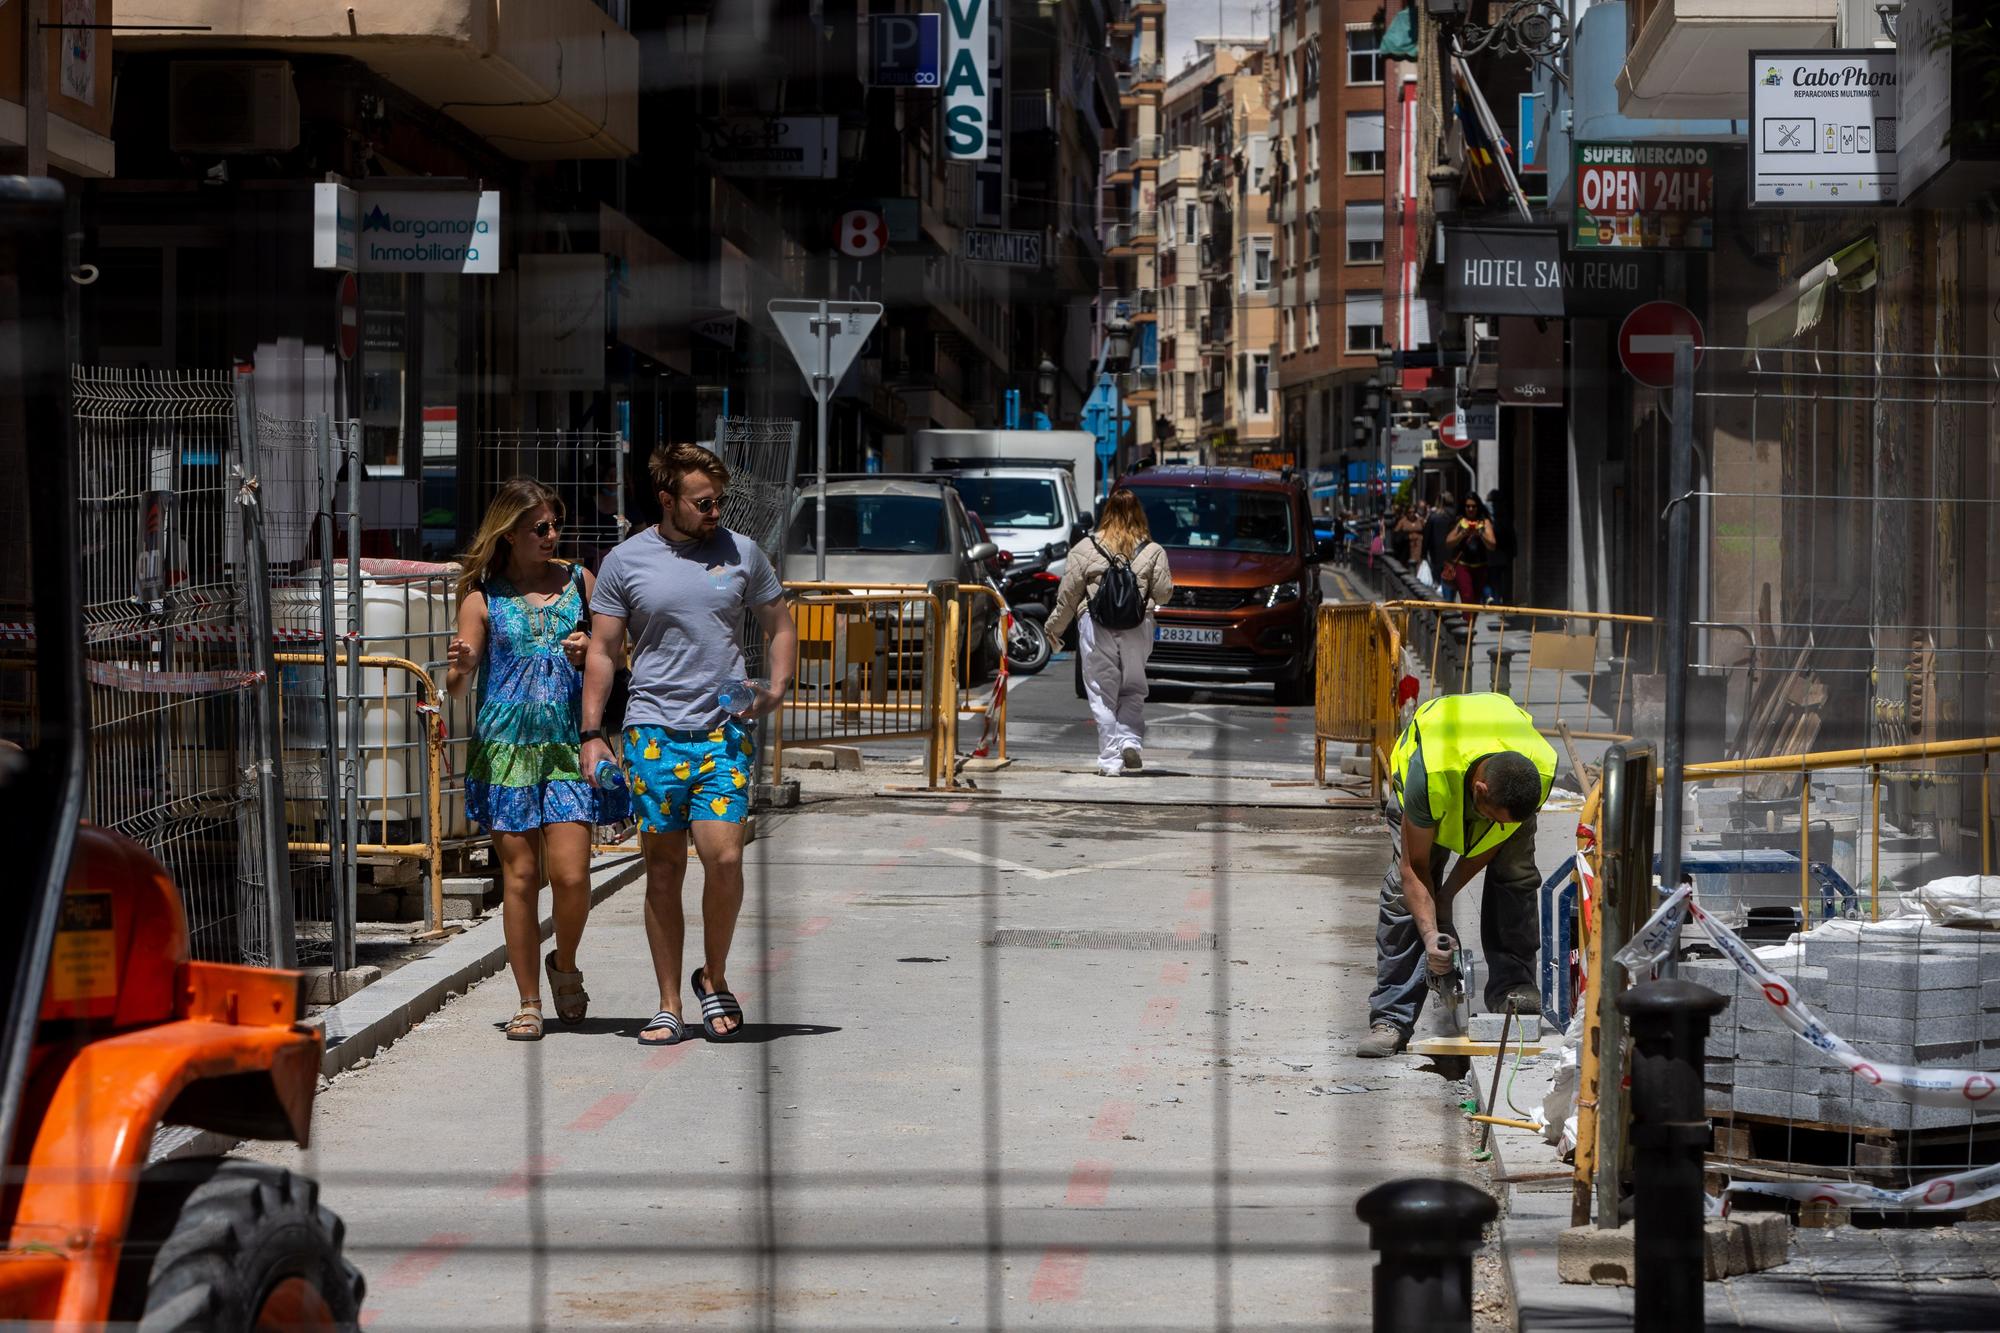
(1509, 932)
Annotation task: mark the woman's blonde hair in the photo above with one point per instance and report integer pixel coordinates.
(491, 547)
(1123, 525)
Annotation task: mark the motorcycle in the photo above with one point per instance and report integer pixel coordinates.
(1018, 636)
(1030, 590)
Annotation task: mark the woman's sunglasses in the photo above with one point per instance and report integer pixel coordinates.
(546, 527)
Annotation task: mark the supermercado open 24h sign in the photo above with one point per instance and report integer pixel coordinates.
(1644, 196)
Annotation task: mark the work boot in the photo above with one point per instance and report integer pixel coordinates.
(1383, 1040)
(1522, 999)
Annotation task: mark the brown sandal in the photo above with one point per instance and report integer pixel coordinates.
(572, 1000)
(526, 1025)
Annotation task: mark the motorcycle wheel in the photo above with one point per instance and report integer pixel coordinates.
(1028, 648)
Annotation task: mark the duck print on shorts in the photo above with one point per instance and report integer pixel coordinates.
(678, 777)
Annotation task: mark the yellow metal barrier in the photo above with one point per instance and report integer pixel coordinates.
(1354, 702)
(884, 663)
(384, 752)
(1362, 659)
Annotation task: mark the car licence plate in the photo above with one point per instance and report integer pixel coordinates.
(1186, 634)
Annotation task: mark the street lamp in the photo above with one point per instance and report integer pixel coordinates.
(1045, 380)
(1117, 345)
(1444, 179)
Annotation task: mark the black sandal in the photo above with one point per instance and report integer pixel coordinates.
(717, 1005)
(664, 1021)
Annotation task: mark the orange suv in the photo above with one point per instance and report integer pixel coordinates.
(1246, 576)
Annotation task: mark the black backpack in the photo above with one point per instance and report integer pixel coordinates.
(1118, 602)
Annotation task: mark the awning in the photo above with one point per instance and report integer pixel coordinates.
(1797, 308)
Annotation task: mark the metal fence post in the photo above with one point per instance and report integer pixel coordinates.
(1669, 1028)
(349, 889)
(1674, 659)
(1425, 1233)
(266, 745)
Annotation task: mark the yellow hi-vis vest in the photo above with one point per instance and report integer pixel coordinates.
(1456, 731)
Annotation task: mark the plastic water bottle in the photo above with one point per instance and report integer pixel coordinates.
(608, 776)
(738, 697)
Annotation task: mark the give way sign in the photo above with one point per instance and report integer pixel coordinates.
(1648, 337)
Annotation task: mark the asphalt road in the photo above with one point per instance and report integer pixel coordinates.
(932, 1124)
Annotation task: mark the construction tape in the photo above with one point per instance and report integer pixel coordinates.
(1963, 1089)
(1965, 1189)
(138, 680)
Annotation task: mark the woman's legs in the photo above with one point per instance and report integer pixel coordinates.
(1134, 647)
(520, 888)
(566, 850)
(1103, 683)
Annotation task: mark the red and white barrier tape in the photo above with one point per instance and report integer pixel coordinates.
(138, 680)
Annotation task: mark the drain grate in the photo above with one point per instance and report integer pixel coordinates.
(1154, 941)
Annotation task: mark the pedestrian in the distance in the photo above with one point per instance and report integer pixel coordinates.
(1468, 549)
(680, 589)
(1116, 578)
(1438, 526)
(521, 616)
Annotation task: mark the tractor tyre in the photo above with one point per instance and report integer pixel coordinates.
(220, 1243)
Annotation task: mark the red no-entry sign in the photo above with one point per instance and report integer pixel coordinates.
(347, 316)
(1452, 431)
(1648, 337)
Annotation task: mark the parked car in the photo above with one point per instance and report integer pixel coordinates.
(882, 531)
(1246, 599)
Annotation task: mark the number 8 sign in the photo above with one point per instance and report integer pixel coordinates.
(862, 233)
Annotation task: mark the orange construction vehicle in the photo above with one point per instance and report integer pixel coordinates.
(110, 1029)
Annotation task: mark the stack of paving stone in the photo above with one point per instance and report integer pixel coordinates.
(1929, 998)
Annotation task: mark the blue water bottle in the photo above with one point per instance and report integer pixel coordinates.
(608, 777)
(737, 696)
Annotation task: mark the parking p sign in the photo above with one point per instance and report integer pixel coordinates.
(906, 50)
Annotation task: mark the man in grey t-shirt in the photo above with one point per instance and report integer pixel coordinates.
(680, 590)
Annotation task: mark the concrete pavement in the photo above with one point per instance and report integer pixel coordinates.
(932, 1121)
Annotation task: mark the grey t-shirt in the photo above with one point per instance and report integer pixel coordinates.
(683, 608)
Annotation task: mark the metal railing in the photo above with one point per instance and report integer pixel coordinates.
(890, 663)
(1348, 700)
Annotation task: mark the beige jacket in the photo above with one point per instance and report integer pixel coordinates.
(1085, 571)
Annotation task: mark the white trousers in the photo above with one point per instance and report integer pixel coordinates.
(1114, 681)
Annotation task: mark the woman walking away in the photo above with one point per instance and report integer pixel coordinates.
(1115, 580)
(520, 628)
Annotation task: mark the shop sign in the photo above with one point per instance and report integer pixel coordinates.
(336, 227)
(1823, 128)
(1021, 249)
(966, 55)
(430, 231)
(1531, 362)
(791, 146)
(1934, 75)
(1524, 271)
(1649, 196)
(560, 325)
(1482, 421)
(1271, 462)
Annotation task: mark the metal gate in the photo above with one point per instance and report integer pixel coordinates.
(177, 649)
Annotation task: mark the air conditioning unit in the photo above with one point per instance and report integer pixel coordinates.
(232, 106)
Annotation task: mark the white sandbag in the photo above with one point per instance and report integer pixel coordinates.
(1962, 900)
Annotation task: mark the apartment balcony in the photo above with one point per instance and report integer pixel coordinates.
(1145, 385)
(1118, 240)
(1212, 407)
(1144, 305)
(541, 79)
(1686, 58)
(1142, 84)
(1180, 167)
(1214, 334)
(1149, 9)
(1119, 166)
(1147, 150)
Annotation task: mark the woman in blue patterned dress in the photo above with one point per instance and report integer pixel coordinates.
(521, 619)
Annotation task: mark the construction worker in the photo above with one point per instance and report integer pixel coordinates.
(1466, 777)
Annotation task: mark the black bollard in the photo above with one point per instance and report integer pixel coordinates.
(1425, 1232)
(1670, 1133)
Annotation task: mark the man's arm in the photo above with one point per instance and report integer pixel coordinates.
(600, 664)
(781, 651)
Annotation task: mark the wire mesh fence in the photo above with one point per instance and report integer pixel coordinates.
(1839, 821)
(176, 683)
(586, 469)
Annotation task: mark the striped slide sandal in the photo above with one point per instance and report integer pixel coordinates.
(715, 1006)
(663, 1021)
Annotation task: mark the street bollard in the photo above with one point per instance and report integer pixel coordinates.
(1669, 1020)
(1425, 1232)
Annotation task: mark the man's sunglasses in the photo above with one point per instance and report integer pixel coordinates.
(709, 504)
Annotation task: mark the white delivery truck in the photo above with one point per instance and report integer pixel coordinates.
(1030, 487)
